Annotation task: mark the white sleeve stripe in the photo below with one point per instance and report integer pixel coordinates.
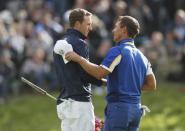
(115, 62)
(149, 69)
(106, 68)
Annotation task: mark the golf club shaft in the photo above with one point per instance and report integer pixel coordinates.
(37, 88)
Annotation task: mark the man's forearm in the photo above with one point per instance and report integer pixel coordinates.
(149, 83)
(90, 68)
(95, 70)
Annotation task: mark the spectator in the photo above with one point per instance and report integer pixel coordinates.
(155, 51)
(36, 68)
(179, 27)
(142, 13)
(120, 8)
(7, 73)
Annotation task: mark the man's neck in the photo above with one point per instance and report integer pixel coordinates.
(126, 40)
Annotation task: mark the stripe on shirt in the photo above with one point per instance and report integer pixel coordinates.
(130, 43)
(149, 69)
(115, 62)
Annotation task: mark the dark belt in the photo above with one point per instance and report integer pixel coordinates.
(59, 101)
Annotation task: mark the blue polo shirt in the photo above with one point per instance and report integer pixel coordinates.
(128, 67)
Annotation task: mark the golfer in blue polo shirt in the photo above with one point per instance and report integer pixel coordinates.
(129, 72)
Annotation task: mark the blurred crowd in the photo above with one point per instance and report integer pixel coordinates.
(30, 28)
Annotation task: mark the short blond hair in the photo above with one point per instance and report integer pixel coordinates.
(77, 15)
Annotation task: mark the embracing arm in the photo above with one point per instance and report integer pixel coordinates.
(95, 70)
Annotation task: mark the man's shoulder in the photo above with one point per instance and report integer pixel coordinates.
(61, 44)
(115, 50)
(72, 39)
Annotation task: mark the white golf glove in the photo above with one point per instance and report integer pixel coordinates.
(62, 47)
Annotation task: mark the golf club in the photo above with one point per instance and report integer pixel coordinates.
(40, 90)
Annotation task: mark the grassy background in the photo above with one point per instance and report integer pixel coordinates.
(38, 113)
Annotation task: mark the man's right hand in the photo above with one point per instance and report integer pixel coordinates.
(72, 56)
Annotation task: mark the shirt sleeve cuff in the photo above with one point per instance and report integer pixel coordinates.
(106, 68)
(149, 71)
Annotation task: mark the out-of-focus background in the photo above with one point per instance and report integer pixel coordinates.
(29, 29)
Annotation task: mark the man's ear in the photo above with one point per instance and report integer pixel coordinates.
(124, 29)
(77, 24)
